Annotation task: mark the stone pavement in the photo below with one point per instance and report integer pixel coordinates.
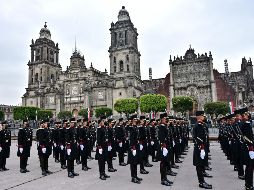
(224, 176)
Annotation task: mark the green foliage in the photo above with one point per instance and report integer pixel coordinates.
(44, 114)
(127, 106)
(153, 102)
(25, 112)
(216, 108)
(84, 113)
(64, 115)
(1, 115)
(103, 111)
(182, 103)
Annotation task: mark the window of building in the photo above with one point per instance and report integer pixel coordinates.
(125, 37)
(36, 77)
(41, 79)
(120, 93)
(31, 102)
(128, 69)
(32, 80)
(41, 70)
(32, 72)
(114, 59)
(127, 57)
(121, 66)
(114, 69)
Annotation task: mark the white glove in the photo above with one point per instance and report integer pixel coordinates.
(134, 152)
(62, 147)
(0, 149)
(174, 143)
(100, 151)
(43, 150)
(68, 152)
(120, 144)
(180, 140)
(21, 150)
(152, 143)
(140, 147)
(165, 151)
(54, 144)
(251, 153)
(202, 154)
(109, 148)
(81, 147)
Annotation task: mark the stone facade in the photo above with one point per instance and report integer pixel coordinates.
(8, 111)
(192, 75)
(49, 87)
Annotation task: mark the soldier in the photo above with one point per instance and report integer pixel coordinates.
(133, 157)
(120, 140)
(84, 144)
(71, 148)
(199, 137)
(44, 138)
(248, 149)
(77, 132)
(153, 139)
(111, 147)
(102, 148)
(62, 143)
(24, 146)
(148, 143)
(5, 144)
(164, 156)
(56, 140)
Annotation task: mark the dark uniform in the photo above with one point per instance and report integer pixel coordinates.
(62, 144)
(164, 155)
(56, 141)
(71, 148)
(24, 146)
(5, 144)
(133, 153)
(199, 137)
(44, 139)
(111, 148)
(120, 140)
(102, 148)
(84, 144)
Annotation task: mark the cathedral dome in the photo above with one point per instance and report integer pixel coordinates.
(123, 14)
(45, 32)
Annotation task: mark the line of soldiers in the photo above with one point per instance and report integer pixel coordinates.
(164, 139)
(236, 139)
(201, 149)
(5, 144)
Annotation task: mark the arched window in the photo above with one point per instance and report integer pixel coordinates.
(121, 65)
(36, 77)
(127, 57)
(128, 69)
(114, 69)
(114, 59)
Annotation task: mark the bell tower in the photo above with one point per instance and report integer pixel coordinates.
(123, 51)
(44, 66)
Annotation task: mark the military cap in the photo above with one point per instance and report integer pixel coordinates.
(79, 120)
(170, 117)
(72, 119)
(85, 119)
(25, 120)
(103, 117)
(45, 120)
(57, 122)
(134, 116)
(120, 119)
(65, 121)
(110, 120)
(142, 117)
(241, 111)
(4, 122)
(152, 120)
(163, 115)
(200, 113)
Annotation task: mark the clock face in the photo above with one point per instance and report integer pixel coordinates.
(51, 99)
(74, 90)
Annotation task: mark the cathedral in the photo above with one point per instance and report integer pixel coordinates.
(81, 85)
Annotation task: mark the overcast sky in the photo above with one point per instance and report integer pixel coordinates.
(165, 27)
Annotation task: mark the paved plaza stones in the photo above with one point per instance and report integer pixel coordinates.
(223, 175)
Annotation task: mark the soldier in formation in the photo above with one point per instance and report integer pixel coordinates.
(236, 139)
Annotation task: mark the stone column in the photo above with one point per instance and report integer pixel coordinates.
(213, 84)
(171, 86)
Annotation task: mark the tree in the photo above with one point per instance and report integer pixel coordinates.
(153, 102)
(84, 113)
(64, 115)
(127, 106)
(44, 114)
(25, 112)
(216, 108)
(182, 103)
(1, 115)
(103, 111)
